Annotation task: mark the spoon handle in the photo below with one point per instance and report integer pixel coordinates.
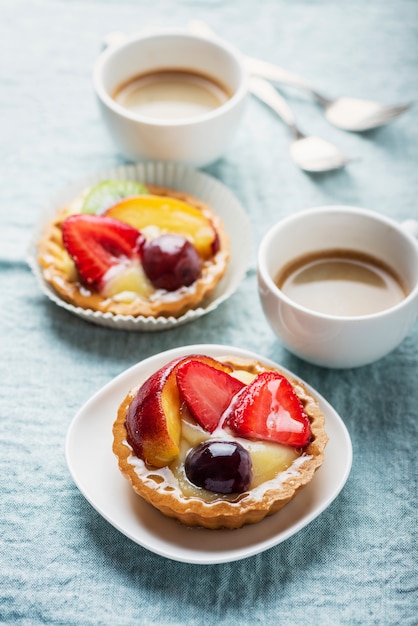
(268, 94)
(272, 72)
(411, 226)
(260, 68)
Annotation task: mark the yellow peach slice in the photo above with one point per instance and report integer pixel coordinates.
(169, 215)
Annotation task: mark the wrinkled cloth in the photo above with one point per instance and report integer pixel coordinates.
(61, 562)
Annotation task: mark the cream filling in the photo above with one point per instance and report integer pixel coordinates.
(173, 479)
(128, 282)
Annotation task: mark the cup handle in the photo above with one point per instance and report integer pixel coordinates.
(411, 226)
(112, 39)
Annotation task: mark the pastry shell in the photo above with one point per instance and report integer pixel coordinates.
(247, 508)
(58, 270)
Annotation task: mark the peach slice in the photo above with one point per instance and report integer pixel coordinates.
(169, 215)
(153, 420)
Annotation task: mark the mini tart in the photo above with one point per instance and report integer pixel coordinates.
(59, 270)
(161, 487)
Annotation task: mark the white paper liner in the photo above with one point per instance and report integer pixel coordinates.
(181, 178)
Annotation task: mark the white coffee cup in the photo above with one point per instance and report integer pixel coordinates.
(197, 140)
(327, 339)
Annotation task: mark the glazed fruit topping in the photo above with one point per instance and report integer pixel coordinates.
(207, 391)
(269, 409)
(199, 390)
(169, 215)
(106, 193)
(170, 262)
(98, 243)
(219, 466)
(153, 421)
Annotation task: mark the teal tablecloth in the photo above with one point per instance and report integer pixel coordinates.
(61, 562)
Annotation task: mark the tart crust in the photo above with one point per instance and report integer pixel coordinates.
(59, 270)
(246, 508)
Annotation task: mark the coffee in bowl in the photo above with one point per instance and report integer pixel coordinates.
(171, 94)
(341, 282)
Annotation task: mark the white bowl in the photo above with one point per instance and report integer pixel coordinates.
(96, 473)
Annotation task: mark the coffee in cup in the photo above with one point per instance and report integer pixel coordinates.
(171, 94)
(341, 282)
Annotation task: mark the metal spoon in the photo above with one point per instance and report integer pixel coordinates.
(346, 113)
(311, 154)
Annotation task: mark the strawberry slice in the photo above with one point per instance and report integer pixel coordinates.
(269, 409)
(207, 391)
(97, 243)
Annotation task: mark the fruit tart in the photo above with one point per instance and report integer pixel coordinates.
(219, 443)
(130, 249)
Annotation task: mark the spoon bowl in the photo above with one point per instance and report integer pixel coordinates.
(352, 114)
(311, 154)
(358, 115)
(314, 154)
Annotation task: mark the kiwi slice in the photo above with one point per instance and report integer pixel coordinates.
(108, 192)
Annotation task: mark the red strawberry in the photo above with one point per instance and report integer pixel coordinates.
(96, 243)
(207, 391)
(268, 408)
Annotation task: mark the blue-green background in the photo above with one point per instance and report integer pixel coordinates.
(61, 563)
